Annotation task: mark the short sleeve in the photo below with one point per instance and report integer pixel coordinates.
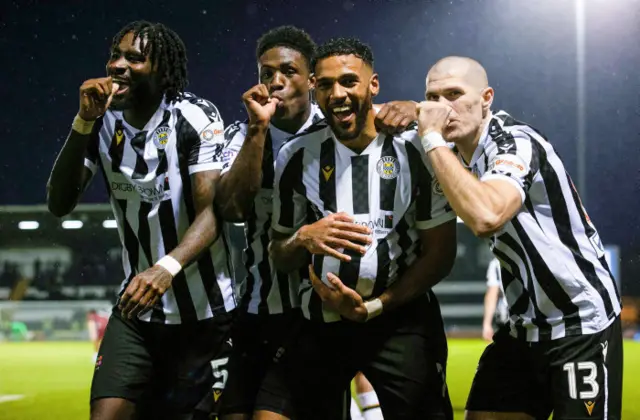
(202, 137)
(512, 157)
(234, 135)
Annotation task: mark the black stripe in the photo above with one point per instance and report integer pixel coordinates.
(264, 268)
(529, 294)
(359, 183)
(560, 215)
(327, 175)
(163, 163)
(138, 143)
(268, 163)
(250, 258)
(93, 147)
(315, 304)
(283, 285)
(144, 237)
(116, 151)
(404, 242)
(349, 271)
(382, 276)
(291, 179)
(179, 283)
(188, 137)
(388, 185)
(504, 140)
(421, 183)
(549, 284)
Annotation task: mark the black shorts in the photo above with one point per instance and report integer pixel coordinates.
(573, 377)
(256, 340)
(166, 370)
(402, 353)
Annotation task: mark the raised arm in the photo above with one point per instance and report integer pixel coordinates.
(76, 162)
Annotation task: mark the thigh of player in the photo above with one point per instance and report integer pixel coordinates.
(508, 382)
(586, 375)
(311, 374)
(190, 366)
(408, 365)
(256, 340)
(124, 365)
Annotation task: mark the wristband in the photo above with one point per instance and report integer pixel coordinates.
(431, 140)
(81, 126)
(170, 264)
(374, 308)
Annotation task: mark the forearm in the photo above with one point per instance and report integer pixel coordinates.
(475, 202)
(421, 276)
(200, 235)
(238, 187)
(288, 254)
(490, 302)
(65, 184)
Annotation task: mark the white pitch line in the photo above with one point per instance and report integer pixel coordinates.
(7, 398)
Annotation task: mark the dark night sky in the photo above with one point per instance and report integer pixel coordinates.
(49, 48)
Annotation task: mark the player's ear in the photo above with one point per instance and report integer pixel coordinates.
(312, 81)
(374, 84)
(487, 100)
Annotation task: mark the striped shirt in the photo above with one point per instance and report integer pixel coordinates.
(555, 276)
(389, 187)
(147, 173)
(267, 291)
(494, 279)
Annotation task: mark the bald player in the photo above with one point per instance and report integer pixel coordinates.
(561, 351)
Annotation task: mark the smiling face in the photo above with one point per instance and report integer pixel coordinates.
(460, 83)
(133, 71)
(344, 87)
(285, 72)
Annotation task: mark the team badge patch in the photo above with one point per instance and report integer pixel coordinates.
(161, 137)
(388, 167)
(436, 187)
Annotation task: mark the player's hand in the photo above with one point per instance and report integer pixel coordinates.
(95, 97)
(432, 116)
(394, 117)
(340, 298)
(144, 290)
(260, 105)
(334, 232)
(487, 332)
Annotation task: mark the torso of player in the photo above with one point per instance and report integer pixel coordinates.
(147, 173)
(262, 274)
(375, 187)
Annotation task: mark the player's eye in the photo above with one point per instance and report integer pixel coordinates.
(266, 75)
(431, 97)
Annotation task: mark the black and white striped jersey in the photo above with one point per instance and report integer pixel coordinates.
(389, 187)
(555, 276)
(147, 173)
(268, 291)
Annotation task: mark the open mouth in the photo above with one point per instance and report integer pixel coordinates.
(123, 86)
(343, 113)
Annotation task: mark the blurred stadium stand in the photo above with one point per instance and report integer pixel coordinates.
(52, 271)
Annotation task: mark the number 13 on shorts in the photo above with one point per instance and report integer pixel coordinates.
(583, 389)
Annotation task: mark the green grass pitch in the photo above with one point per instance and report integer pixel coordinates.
(49, 380)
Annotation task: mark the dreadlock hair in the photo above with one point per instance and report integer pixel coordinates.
(163, 46)
(290, 37)
(344, 46)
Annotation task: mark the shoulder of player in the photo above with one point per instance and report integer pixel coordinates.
(236, 131)
(311, 137)
(197, 111)
(504, 129)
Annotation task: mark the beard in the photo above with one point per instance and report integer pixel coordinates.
(352, 130)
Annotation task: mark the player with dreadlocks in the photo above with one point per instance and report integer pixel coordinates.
(164, 350)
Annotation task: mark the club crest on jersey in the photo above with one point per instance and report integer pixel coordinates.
(388, 167)
(161, 137)
(436, 187)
